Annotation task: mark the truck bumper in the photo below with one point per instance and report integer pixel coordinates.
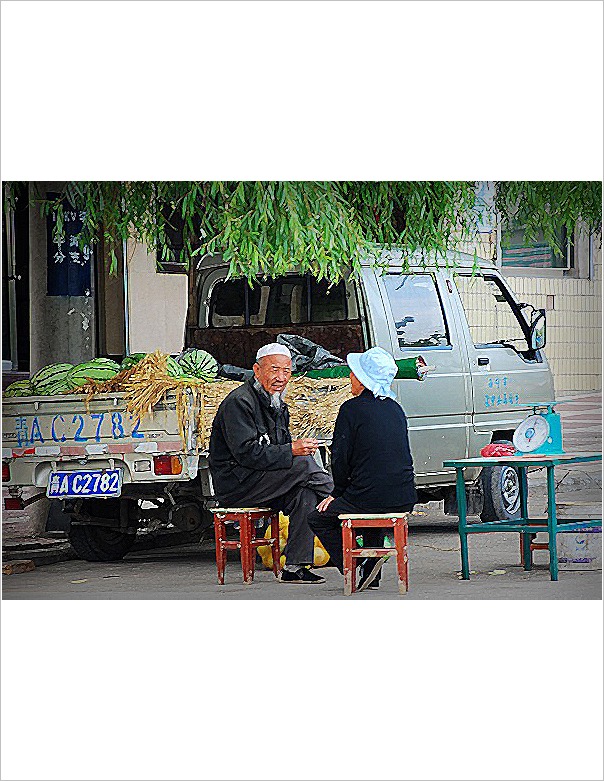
(137, 468)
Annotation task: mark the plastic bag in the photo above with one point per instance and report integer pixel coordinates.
(308, 355)
(497, 451)
(230, 372)
(320, 555)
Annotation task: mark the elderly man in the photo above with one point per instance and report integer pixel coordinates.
(253, 460)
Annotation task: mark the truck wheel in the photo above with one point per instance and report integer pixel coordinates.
(100, 543)
(501, 488)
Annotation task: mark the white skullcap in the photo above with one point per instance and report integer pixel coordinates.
(273, 349)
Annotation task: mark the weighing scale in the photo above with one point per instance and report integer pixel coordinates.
(541, 432)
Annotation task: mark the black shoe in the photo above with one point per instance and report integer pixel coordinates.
(302, 576)
(370, 573)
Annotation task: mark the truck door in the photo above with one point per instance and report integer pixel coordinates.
(438, 410)
(506, 376)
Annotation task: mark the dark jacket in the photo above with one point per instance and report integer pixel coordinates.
(370, 457)
(248, 436)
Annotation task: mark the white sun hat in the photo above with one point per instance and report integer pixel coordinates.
(375, 369)
(273, 349)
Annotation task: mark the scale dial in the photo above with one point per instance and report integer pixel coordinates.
(531, 434)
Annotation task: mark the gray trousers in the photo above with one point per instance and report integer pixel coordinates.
(296, 492)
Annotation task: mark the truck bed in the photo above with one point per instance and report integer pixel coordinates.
(38, 431)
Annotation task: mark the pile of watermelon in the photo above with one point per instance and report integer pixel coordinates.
(63, 378)
(59, 378)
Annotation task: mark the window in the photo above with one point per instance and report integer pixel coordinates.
(517, 253)
(417, 311)
(176, 260)
(489, 312)
(329, 304)
(287, 301)
(283, 301)
(227, 306)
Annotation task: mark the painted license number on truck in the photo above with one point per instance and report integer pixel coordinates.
(84, 483)
(89, 428)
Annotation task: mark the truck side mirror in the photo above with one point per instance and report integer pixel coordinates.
(537, 337)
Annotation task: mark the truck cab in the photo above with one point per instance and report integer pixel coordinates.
(459, 314)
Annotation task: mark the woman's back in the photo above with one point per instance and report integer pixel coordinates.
(371, 460)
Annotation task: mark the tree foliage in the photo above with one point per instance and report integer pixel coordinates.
(548, 207)
(321, 227)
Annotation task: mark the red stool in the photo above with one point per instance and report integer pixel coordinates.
(247, 543)
(381, 521)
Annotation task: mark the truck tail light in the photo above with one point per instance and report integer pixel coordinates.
(167, 465)
(5, 471)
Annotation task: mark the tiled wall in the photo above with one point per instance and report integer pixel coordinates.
(574, 325)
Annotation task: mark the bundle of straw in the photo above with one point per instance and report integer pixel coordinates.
(313, 403)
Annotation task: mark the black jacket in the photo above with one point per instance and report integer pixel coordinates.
(370, 457)
(248, 436)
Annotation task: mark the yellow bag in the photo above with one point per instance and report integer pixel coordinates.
(321, 557)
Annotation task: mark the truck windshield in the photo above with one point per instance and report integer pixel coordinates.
(489, 312)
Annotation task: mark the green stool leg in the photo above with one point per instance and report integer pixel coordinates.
(527, 553)
(463, 523)
(552, 523)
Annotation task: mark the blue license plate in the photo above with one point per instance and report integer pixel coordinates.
(85, 483)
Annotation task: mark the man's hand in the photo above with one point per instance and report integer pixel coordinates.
(305, 447)
(322, 506)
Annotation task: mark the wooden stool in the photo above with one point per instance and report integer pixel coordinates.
(380, 521)
(247, 543)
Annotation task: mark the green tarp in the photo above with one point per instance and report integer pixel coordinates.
(407, 370)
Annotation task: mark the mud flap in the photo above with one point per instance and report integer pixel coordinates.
(474, 500)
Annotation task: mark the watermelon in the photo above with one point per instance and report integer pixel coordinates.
(19, 388)
(99, 370)
(59, 387)
(50, 375)
(174, 370)
(105, 362)
(131, 360)
(199, 363)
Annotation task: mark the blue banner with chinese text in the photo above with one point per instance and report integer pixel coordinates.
(68, 265)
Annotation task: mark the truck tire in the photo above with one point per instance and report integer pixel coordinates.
(501, 489)
(100, 543)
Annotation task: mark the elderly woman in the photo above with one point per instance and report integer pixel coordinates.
(371, 461)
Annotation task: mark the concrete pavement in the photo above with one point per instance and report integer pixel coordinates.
(189, 571)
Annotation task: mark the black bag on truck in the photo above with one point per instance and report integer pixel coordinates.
(307, 355)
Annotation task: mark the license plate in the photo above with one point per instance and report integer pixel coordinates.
(85, 483)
